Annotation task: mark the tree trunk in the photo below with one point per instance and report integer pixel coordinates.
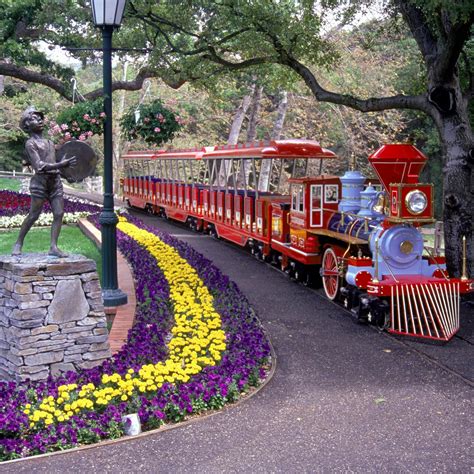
(458, 184)
(254, 114)
(2, 84)
(239, 117)
(234, 133)
(118, 143)
(265, 172)
(281, 115)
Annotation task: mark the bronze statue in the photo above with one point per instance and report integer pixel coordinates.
(46, 182)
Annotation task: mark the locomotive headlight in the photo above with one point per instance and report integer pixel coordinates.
(416, 201)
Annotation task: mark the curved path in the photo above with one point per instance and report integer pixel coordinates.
(343, 397)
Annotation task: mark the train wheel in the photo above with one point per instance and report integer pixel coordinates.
(330, 274)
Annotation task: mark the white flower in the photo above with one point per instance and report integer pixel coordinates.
(45, 219)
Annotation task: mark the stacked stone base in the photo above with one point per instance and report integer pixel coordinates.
(52, 317)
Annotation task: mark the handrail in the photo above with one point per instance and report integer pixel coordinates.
(15, 174)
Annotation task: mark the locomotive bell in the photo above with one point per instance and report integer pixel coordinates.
(381, 205)
(369, 203)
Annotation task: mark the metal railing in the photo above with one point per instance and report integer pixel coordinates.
(15, 174)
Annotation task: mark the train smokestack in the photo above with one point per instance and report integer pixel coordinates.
(398, 164)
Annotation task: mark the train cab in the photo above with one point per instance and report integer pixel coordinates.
(313, 201)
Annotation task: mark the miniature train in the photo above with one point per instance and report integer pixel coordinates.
(364, 243)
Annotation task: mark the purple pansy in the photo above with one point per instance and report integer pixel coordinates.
(244, 363)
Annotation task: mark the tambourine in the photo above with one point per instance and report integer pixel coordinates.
(86, 160)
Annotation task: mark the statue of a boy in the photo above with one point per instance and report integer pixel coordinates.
(46, 183)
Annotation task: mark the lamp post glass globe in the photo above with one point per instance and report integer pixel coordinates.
(108, 12)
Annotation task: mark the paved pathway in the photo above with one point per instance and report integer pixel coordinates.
(343, 398)
(123, 315)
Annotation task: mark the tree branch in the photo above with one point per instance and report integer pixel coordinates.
(156, 23)
(214, 57)
(418, 25)
(372, 104)
(451, 50)
(27, 75)
(134, 85)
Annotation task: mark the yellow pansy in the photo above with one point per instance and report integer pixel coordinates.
(197, 339)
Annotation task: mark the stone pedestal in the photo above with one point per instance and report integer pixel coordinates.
(52, 317)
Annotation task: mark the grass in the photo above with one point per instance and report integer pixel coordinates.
(71, 240)
(10, 184)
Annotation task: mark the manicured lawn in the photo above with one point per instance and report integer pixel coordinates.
(10, 184)
(71, 240)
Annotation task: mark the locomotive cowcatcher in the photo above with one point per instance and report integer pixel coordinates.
(362, 240)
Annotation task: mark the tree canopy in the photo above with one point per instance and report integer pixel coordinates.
(203, 40)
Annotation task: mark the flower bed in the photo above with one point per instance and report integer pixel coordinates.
(14, 204)
(204, 374)
(45, 219)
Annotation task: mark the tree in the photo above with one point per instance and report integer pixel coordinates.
(208, 39)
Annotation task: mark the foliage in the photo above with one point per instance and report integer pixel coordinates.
(80, 121)
(11, 154)
(153, 123)
(10, 184)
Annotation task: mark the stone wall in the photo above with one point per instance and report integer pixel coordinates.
(51, 316)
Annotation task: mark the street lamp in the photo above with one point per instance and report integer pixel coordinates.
(107, 16)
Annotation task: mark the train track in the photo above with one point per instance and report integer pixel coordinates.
(432, 352)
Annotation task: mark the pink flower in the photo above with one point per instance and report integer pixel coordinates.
(157, 129)
(146, 119)
(93, 121)
(86, 117)
(67, 135)
(102, 114)
(82, 137)
(90, 133)
(75, 123)
(64, 126)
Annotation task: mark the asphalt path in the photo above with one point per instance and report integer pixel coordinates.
(344, 397)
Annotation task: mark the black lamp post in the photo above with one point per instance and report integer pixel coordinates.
(107, 16)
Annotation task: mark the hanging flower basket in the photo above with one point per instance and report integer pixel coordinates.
(80, 121)
(153, 123)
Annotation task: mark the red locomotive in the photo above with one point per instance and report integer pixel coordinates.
(364, 243)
